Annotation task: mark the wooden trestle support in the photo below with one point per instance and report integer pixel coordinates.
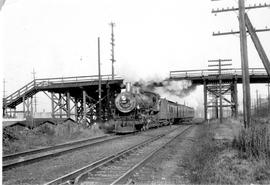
(212, 94)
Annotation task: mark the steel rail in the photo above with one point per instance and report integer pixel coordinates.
(54, 151)
(46, 149)
(78, 175)
(23, 158)
(125, 177)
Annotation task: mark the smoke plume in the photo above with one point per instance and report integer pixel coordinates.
(177, 88)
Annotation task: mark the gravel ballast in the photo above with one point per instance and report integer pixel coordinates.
(45, 171)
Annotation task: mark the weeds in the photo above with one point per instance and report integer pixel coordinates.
(16, 140)
(215, 161)
(201, 162)
(254, 142)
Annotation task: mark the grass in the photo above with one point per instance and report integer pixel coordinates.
(254, 142)
(199, 163)
(20, 139)
(243, 160)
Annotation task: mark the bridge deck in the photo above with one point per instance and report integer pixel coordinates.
(58, 85)
(257, 75)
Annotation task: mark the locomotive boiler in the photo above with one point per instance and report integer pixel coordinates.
(135, 109)
(136, 99)
(138, 110)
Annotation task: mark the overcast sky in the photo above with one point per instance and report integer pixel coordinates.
(152, 37)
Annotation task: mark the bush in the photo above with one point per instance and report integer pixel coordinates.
(254, 142)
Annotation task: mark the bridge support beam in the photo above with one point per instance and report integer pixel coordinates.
(52, 103)
(84, 108)
(60, 105)
(221, 93)
(76, 109)
(28, 107)
(9, 112)
(234, 99)
(205, 99)
(216, 103)
(84, 105)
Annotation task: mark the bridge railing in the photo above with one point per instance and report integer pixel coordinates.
(19, 92)
(206, 72)
(45, 82)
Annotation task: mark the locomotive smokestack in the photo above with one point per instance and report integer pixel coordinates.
(128, 87)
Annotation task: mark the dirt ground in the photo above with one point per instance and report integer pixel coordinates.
(166, 166)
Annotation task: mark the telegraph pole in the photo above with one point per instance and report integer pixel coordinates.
(243, 23)
(112, 49)
(4, 88)
(244, 64)
(99, 83)
(257, 101)
(2, 4)
(35, 98)
(4, 97)
(268, 96)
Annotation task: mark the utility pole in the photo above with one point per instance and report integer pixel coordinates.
(257, 101)
(260, 103)
(99, 83)
(244, 64)
(243, 23)
(220, 91)
(2, 4)
(4, 97)
(35, 98)
(268, 96)
(4, 88)
(112, 49)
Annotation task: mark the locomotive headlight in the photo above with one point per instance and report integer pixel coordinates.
(123, 98)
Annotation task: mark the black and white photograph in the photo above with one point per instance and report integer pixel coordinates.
(135, 92)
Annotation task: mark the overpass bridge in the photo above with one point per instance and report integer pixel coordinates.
(257, 75)
(212, 91)
(75, 97)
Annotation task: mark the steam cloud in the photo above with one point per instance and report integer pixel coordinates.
(177, 88)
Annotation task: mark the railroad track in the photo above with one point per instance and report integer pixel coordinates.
(31, 156)
(117, 168)
(35, 155)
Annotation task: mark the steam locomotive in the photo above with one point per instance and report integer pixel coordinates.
(138, 110)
